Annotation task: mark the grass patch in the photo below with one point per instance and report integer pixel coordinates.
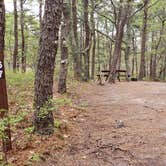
(20, 80)
(20, 90)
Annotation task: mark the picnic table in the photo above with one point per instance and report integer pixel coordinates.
(105, 74)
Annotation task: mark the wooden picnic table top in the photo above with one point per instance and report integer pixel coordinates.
(105, 71)
(108, 71)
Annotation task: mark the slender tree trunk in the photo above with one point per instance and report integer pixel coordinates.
(75, 44)
(133, 66)
(10, 47)
(65, 32)
(48, 45)
(133, 58)
(164, 69)
(127, 62)
(142, 71)
(152, 57)
(15, 51)
(40, 12)
(127, 51)
(135, 63)
(147, 67)
(23, 55)
(111, 48)
(87, 40)
(154, 73)
(119, 61)
(94, 41)
(154, 60)
(7, 145)
(81, 47)
(98, 49)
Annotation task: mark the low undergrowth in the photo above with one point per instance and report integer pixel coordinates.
(28, 148)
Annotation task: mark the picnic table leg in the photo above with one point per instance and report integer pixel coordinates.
(106, 79)
(118, 77)
(128, 77)
(99, 79)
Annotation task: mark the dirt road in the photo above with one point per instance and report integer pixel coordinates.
(123, 125)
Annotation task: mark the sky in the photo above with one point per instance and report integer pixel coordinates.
(9, 6)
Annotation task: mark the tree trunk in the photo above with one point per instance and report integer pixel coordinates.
(75, 44)
(127, 62)
(23, 55)
(122, 19)
(127, 51)
(164, 69)
(65, 32)
(94, 41)
(48, 45)
(134, 60)
(7, 145)
(152, 58)
(40, 12)
(87, 40)
(98, 49)
(142, 71)
(15, 51)
(81, 47)
(111, 48)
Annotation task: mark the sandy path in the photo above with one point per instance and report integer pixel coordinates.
(124, 125)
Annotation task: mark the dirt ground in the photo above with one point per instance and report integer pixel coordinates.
(123, 125)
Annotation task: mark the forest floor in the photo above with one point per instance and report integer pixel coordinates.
(112, 125)
(123, 125)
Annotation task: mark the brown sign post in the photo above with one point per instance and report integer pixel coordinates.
(3, 90)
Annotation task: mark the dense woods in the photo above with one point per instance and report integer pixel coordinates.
(56, 44)
(103, 34)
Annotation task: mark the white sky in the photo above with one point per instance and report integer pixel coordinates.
(9, 6)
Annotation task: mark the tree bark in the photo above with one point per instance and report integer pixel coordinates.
(142, 71)
(75, 44)
(23, 55)
(48, 45)
(111, 48)
(65, 33)
(164, 69)
(81, 44)
(94, 41)
(15, 51)
(128, 50)
(98, 49)
(40, 12)
(152, 58)
(7, 145)
(134, 60)
(154, 55)
(87, 40)
(122, 20)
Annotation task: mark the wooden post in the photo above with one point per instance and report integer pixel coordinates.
(3, 90)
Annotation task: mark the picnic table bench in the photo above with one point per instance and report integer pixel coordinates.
(106, 73)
